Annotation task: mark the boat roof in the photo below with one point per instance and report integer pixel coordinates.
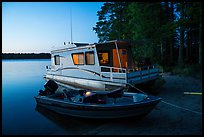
(81, 45)
(113, 42)
(103, 43)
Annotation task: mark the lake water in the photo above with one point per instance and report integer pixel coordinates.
(21, 81)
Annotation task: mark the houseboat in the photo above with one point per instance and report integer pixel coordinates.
(99, 66)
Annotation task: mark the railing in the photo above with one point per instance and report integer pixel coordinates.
(48, 67)
(52, 68)
(141, 68)
(113, 69)
(113, 73)
(120, 74)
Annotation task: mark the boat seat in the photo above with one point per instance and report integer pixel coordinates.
(56, 95)
(68, 94)
(95, 98)
(81, 92)
(116, 93)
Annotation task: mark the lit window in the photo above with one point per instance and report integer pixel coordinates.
(103, 58)
(57, 59)
(78, 58)
(90, 58)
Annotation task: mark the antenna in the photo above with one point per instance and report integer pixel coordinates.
(71, 23)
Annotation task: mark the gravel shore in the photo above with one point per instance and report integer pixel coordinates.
(181, 117)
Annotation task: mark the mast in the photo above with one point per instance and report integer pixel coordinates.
(71, 23)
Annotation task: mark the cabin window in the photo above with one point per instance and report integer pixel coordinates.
(103, 57)
(57, 59)
(90, 58)
(78, 58)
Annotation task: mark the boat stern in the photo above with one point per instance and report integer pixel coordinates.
(142, 76)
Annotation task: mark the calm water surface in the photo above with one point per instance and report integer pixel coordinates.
(21, 81)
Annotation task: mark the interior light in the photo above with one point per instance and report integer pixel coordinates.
(88, 93)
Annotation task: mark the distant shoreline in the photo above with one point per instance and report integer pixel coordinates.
(26, 56)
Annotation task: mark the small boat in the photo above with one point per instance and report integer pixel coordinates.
(117, 103)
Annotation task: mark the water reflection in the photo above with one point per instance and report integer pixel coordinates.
(83, 126)
(70, 124)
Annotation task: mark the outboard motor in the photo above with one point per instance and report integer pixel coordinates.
(50, 88)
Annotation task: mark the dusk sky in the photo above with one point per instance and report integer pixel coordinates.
(29, 27)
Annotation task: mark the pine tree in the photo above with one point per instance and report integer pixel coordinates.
(111, 21)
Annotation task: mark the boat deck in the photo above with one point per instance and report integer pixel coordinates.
(70, 95)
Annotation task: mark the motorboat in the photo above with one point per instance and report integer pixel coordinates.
(98, 66)
(117, 103)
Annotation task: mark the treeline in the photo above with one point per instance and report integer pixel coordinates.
(167, 32)
(26, 55)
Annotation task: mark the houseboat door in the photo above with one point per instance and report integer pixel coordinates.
(123, 58)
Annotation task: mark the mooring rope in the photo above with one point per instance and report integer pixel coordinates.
(200, 113)
(182, 107)
(136, 88)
